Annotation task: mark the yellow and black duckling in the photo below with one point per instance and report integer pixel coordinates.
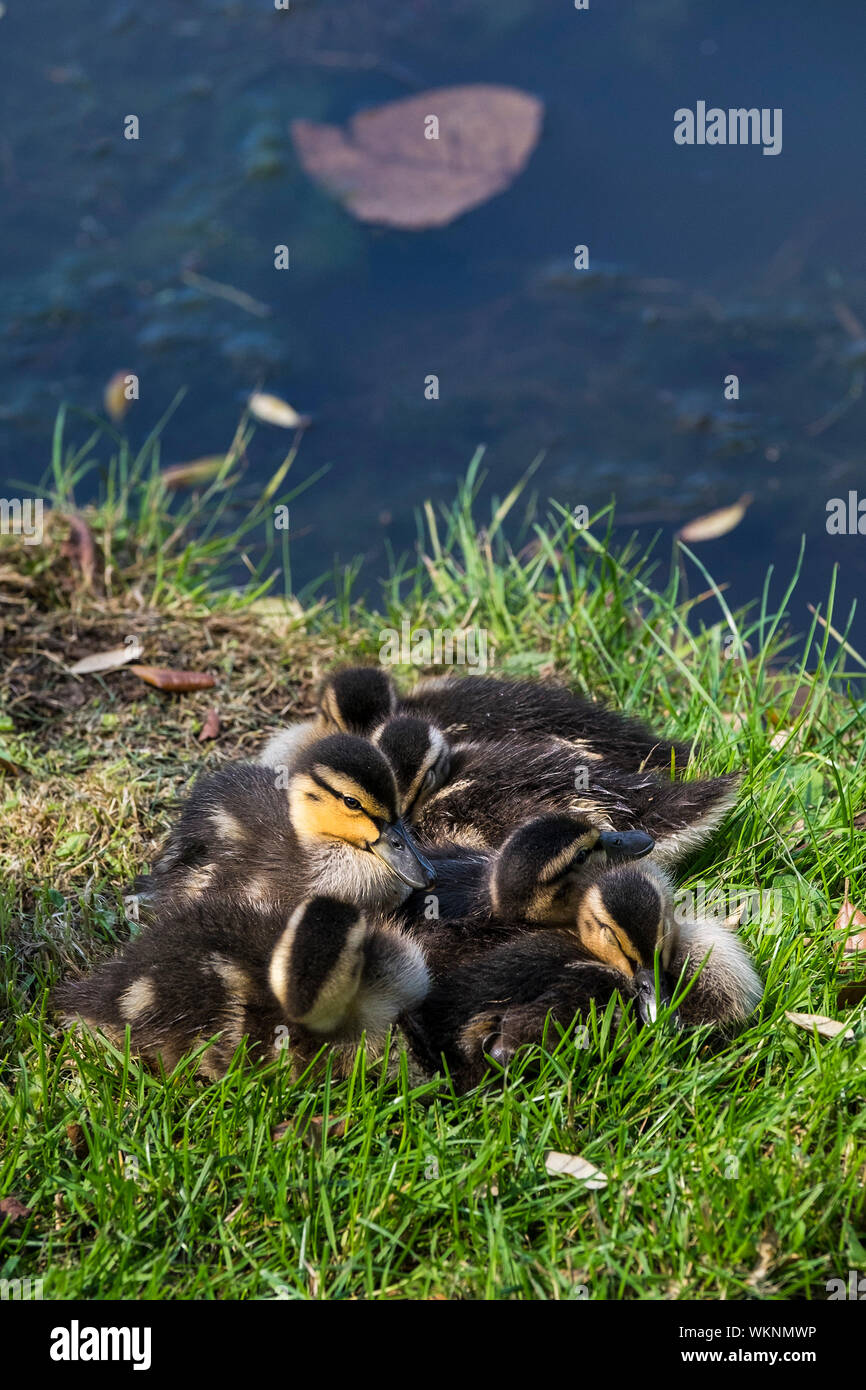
(354, 700)
(499, 997)
(332, 826)
(468, 708)
(215, 973)
(539, 875)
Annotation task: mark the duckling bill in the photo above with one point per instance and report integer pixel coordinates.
(625, 938)
(332, 826)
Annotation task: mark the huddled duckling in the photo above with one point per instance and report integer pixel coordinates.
(477, 790)
(500, 997)
(358, 699)
(540, 874)
(474, 794)
(215, 973)
(353, 700)
(331, 826)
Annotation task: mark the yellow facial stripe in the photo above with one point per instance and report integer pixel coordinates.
(563, 859)
(317, 814)
(347, 786)
(602, 934)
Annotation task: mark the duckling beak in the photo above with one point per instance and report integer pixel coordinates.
(645, 984)
(396, 849)
(626, 844)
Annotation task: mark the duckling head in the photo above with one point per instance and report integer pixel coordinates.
(355, 700)
(315, 968)
(546, 866)
(343, 801)
(626, 919)
(420, 756)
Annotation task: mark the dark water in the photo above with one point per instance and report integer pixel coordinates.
(705, 261)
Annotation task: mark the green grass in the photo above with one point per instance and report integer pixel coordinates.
(733, 1171)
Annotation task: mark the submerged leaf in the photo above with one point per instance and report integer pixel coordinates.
(422, 161)
(115, 399)
(715, 524)
(197, 471)
(275, 411)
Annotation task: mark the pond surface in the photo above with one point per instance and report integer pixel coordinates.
(704, 262)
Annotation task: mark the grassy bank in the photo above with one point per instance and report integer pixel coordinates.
(733, 1172)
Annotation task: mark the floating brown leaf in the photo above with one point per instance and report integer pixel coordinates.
(387, 169)
(211, 726)
(715, 524)
(273, 410)
(179, 682)
(196, 471)
(851, 916)
(11, 1209)
(826, 1027)
(570, 1166)
(116, 401)
(107, 661)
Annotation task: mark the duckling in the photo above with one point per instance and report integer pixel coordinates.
(354, 700)
(420, 757)
(357, 699)
(483, 707)
(498, 998)
(539, 875)
(332, 825)
(216, 973)
(477, 792)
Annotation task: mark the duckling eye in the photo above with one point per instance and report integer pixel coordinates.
(352, 802)
(581, 856)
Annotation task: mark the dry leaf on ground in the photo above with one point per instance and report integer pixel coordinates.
(851, 917)
(179, 682)
(386, 169)
(107, 661)
(12, 1209)
(81, 548)
(851, 995)
(826, 1027)
(715, 524)
(570, 1166)
(211, 726)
